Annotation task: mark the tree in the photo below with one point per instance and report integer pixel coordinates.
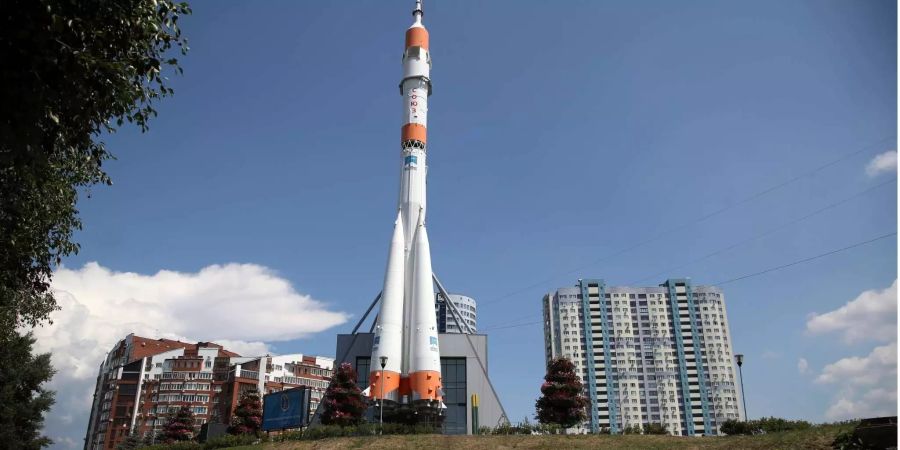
(343, 402)
(23, 399)
(180, 426)
(563, 401)
(71, 71)
(248, 415)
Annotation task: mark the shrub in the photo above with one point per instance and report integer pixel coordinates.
(175, 446)
(763, 425)
(229, 441)
(736, 427)
(777, 424)
(656, 428)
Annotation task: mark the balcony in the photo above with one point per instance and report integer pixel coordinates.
(242, 373)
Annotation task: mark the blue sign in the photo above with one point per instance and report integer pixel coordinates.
(411, 160)
(286, 409)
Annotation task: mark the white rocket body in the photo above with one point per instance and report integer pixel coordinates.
(406, 330)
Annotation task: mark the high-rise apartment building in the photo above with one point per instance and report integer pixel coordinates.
(648, 354)
(467, 309)
(142, 380)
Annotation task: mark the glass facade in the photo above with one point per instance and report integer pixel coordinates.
(453, 375)
(362, 371)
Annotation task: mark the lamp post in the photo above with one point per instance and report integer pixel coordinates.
(381, 401)
(740, 362)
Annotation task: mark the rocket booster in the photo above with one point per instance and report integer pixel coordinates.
(406, 329)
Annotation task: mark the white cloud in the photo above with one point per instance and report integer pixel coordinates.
(864, 386)
(867, 386)
(241, 306)
(882, 163)
(871, 316)
(802, 366)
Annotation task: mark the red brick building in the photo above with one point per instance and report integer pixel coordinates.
(142, 380)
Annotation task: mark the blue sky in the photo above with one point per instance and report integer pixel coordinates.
(558, 134)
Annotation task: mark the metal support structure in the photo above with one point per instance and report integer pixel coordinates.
(459, 322)
(740, 362)
(381, 400)
(363, 318)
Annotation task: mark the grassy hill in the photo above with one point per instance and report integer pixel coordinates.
(818, 437)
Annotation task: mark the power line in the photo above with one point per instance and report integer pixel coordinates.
(744, 241)
(801, 261)
(761, 272)
(770, 231)
(868, 148)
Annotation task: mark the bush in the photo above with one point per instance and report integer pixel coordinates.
(656, 428)
(763, 425)
(736, 427)
(175, 446)
(848, 440)
(366, 429)
(776, 424)
(229, 441)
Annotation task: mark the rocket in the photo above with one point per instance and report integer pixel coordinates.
(406, 327)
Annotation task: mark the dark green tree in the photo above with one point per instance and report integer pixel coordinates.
(247, 417)
(71, 71)
(23, 399)
(562, 401)
(343, 402)
(180, 426)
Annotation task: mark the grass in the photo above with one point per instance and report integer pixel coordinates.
(817, 437)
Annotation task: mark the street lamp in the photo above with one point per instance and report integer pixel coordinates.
(381, 401)
(740, 362)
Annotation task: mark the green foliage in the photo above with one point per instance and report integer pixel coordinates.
(23, 399)
(175, 446)
(655, 428)
(562, 401)
(848, 440)
(226, 441)
(736, 427)
(248, 415)
(776, 424)
(365, 429)
(632, 429)
(70, 69)
(343, 403)
(763, 425)
(525, 427)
